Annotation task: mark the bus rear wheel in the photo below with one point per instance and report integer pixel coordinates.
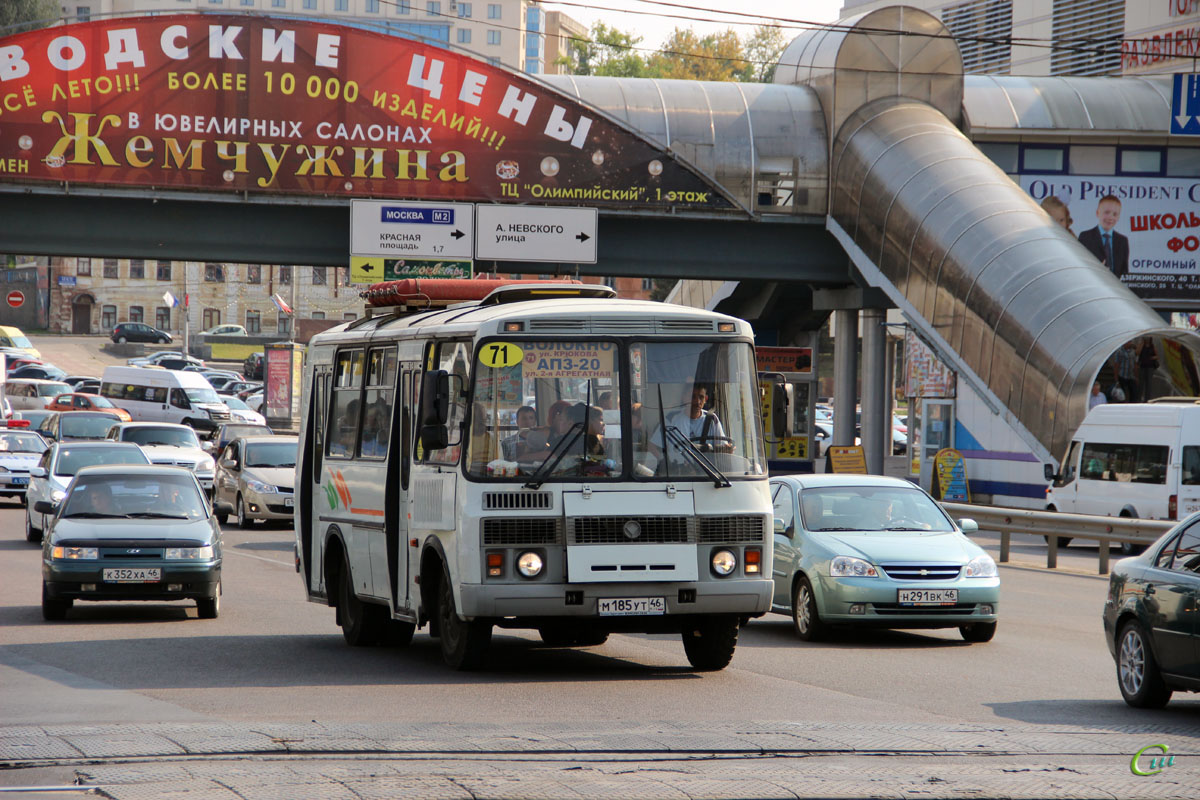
(464, 643)
(362, 623)
(709, 643)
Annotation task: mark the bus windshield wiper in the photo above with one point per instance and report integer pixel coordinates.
(685, 444)
(537, 479)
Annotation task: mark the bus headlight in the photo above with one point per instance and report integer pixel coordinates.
(724, 562)
(530, 564)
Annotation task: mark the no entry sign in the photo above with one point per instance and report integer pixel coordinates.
(16, 299)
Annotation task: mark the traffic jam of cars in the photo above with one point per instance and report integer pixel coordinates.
(126, 479)
(117, 473)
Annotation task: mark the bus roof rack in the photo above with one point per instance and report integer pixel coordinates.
(1176, 399)
(545, 291)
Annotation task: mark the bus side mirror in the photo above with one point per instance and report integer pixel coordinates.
(1048, 470)
(435, 400)
(434, 437)
(779, 410)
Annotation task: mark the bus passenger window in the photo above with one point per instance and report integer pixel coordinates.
(346, 406)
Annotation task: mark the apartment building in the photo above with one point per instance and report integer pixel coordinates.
(91, 295)
(1145, 37)
(512, 33)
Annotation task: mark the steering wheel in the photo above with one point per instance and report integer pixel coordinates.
(711, 444)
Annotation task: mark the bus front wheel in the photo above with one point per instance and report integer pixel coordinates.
(464, 644)
(709, 643)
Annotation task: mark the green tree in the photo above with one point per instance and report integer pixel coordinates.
(687, 56)
(763, 49)
(18, 16)
(610, 52)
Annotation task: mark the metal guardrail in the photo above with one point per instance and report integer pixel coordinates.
(1053, 524)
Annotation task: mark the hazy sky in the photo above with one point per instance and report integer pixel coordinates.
(655, 29)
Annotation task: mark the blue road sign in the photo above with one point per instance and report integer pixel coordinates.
(418, 216)
(1185, 105)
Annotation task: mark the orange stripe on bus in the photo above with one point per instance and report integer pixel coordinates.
(370, 512)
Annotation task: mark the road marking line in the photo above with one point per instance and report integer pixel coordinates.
(262, 558)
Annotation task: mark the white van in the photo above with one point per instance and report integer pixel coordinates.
(152, 394)
(1132, 460)
(33, 393)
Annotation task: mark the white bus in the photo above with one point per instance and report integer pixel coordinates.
(535, 460)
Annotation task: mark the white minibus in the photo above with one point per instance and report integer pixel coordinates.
(152, 394)
(1139, 460)
(548, 458)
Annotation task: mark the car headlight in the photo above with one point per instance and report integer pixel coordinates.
(89, 553)
(530, 564)
(57, 495)
(724, 562)
(3, 468)
(260, 487)
(204, 553)
(981, 567)
(849, 567)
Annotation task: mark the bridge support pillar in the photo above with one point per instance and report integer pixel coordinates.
(876, 422)
(845, 374)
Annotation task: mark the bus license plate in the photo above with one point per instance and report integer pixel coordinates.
(927, 597)
(125, 575)
(632, 606)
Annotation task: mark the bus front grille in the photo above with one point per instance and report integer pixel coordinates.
(732, 529)
(508, 531)
(631, 530)
(493, 501)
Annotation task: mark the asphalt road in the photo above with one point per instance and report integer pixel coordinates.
(120, 692)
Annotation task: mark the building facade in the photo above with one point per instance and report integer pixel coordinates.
(512, 33)
(1091, 37)
(91, 295)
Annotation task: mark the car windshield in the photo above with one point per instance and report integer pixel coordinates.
(202, 395)
(21, 443)
(179, 437)
(86, 426)
(135, 497)
(231, 432)
(52, 389)
(73, 459)
(546, 408)
(271, 454)
(871, 509)
(235, 403)
(20, 342)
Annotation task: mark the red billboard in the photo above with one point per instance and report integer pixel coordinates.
(282, 106)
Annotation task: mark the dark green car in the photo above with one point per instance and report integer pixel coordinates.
(131, 532)
(1151, 620)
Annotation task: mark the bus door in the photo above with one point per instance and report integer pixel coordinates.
(401, 557)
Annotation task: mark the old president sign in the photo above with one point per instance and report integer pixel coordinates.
(536, 233)
(272, 105)
(411, 229)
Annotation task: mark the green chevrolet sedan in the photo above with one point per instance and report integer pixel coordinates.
(871, 551)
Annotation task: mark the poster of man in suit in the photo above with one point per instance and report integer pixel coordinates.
(1110, 247)
(1146, 231)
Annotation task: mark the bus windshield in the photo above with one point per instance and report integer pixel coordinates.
(546, 408)
(549, 410)
(694, 408)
